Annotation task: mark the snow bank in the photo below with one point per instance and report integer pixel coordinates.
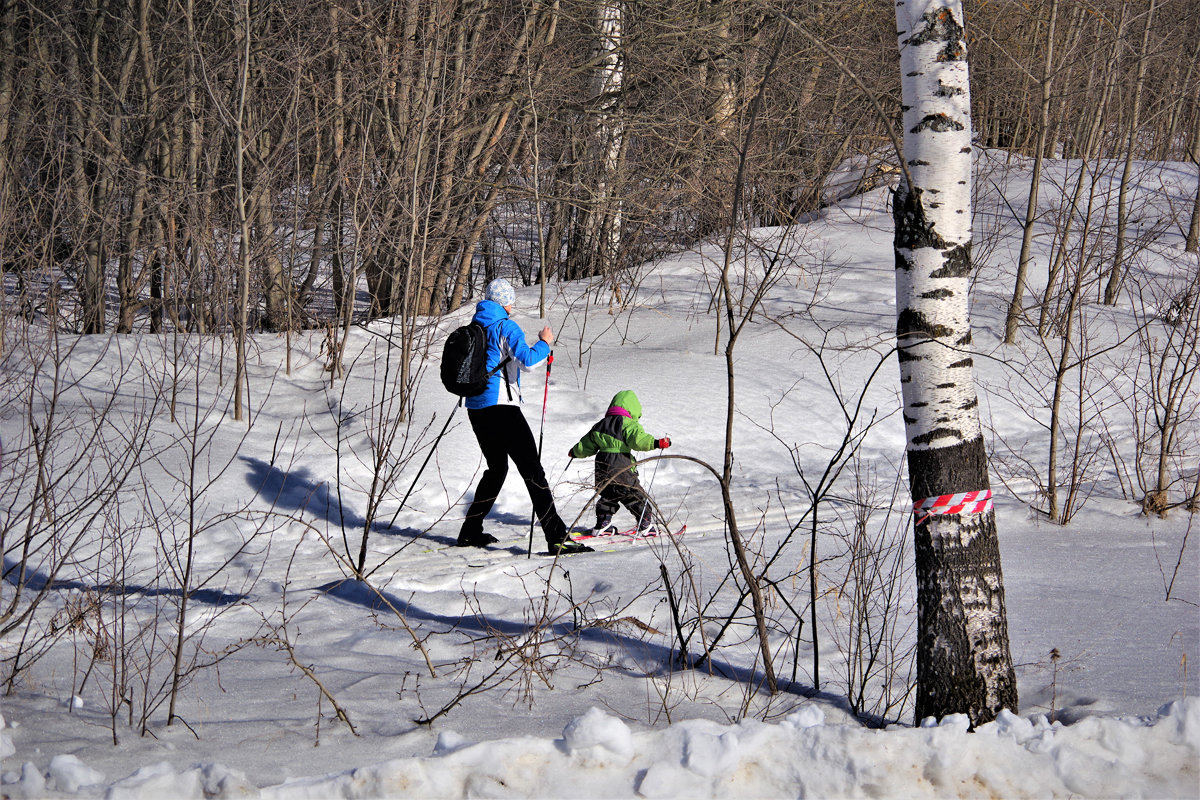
(601, 756)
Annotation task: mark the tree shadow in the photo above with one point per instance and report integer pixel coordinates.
(34, 580)
(299, 490)
(665, 657)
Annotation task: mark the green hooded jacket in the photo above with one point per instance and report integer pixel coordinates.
(612, 439)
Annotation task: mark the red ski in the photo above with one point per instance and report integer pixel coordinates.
(628, 535)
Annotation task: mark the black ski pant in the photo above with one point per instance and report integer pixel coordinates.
(503, 433)
(620, 489)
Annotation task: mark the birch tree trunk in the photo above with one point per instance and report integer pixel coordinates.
(1192, 243)
(596, 244)
(610, 79)
(8, 53)
(1116, 274)
(963, 660)
(1026, 256)
(241, 318)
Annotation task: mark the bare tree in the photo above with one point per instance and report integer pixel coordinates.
(1025, 257)
(1118, 266)
(1192, 243)
(1164, 401)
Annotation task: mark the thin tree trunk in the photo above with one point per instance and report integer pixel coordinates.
(1015, 307)
(1166, 149)
(243, 281)
(1061, 369)
(8, 57)
(1116, 274)
(276, 285)
(82, 127)
(1059, 118)
(1192, 244)
(610, 135)
(1091, 143)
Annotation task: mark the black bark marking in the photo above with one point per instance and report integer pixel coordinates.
(965, 340)
(966, 362)
(913, 228)
(948, 470)
(958, 263)
(915, 324)
(945, 385)
(940, 26)
(939, 123)
(972, 403)
(929, 438)
(938, 294)
(944, 90)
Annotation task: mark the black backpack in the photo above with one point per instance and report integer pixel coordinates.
(464, 361)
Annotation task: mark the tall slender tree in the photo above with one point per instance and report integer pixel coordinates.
(1115, 275)
(963, 659)
(1026, 255)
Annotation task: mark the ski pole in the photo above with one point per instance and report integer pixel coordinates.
(654, 472)
(424, 464)
(541, 431)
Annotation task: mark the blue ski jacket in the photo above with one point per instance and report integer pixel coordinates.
(505, 339)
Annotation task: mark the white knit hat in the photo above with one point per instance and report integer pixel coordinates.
(501, 291)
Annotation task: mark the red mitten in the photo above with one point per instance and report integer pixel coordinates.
(663, 443)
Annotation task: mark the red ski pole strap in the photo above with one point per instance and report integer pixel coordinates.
(961, 503)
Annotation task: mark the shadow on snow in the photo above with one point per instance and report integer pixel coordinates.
(358, 593)
(34, 580)
(300, 490)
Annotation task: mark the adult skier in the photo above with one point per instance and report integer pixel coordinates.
(500, 426)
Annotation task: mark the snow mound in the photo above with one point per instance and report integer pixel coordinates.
(600, 737)
(601, 756)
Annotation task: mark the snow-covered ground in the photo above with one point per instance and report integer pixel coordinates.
(563, 679)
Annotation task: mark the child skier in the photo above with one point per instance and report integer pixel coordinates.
(612, 441)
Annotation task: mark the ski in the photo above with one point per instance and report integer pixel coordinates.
(626, 536)
(478, 557)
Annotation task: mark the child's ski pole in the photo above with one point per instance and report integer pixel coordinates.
(654, 472)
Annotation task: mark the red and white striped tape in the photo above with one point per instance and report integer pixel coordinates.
(962, 503)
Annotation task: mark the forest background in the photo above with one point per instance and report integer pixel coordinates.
(268, 166)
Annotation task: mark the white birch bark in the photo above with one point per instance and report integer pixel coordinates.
(1026, 255)
(932, 291)
(963, 660)
(608, 81)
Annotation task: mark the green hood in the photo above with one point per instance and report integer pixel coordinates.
(627, 400)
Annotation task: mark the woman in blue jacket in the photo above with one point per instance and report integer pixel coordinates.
(500, 426)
